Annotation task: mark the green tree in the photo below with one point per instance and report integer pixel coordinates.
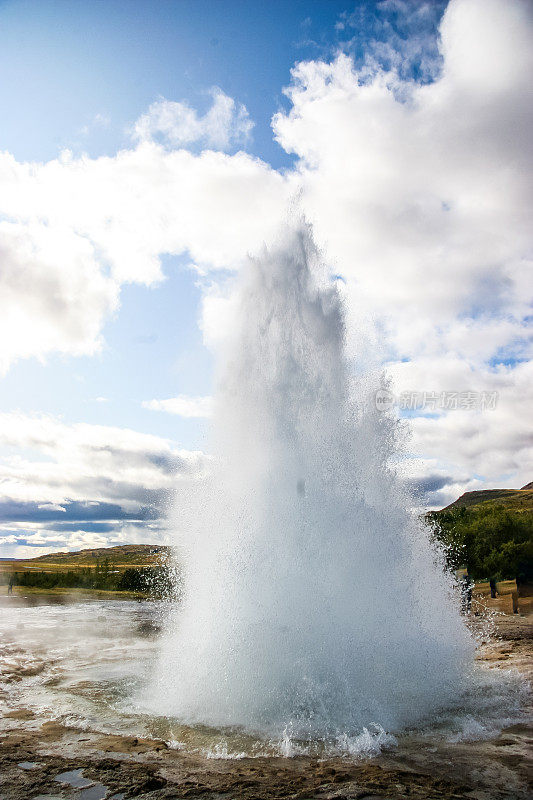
(488, 538)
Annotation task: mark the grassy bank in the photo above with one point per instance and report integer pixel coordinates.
(73, 594)
(156, 581)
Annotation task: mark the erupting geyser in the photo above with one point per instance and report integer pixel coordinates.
(313, 600)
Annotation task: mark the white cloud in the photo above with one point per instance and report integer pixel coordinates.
(148, 201)
(224, 124)
(54, 296)
(87, 464)
(51, 507)
(182, 406)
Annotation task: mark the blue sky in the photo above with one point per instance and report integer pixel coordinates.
(407, 146)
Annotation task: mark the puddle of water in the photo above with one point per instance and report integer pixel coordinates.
(27, 764)
(96, 792)
(74, 778)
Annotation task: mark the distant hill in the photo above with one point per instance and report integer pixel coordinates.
(512, 499)
(122, 556)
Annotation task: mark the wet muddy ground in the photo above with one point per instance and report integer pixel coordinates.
(44, 760)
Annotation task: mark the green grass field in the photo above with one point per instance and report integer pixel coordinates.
(72, 594)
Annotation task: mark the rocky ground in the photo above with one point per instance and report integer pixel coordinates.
(54, 761)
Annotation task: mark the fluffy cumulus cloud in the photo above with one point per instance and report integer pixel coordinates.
(54, 296)
(224, 124)
(62, 484)
(419, 189)
(182, 406)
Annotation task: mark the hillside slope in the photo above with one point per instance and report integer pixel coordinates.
(512, 499)
(126, 555)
